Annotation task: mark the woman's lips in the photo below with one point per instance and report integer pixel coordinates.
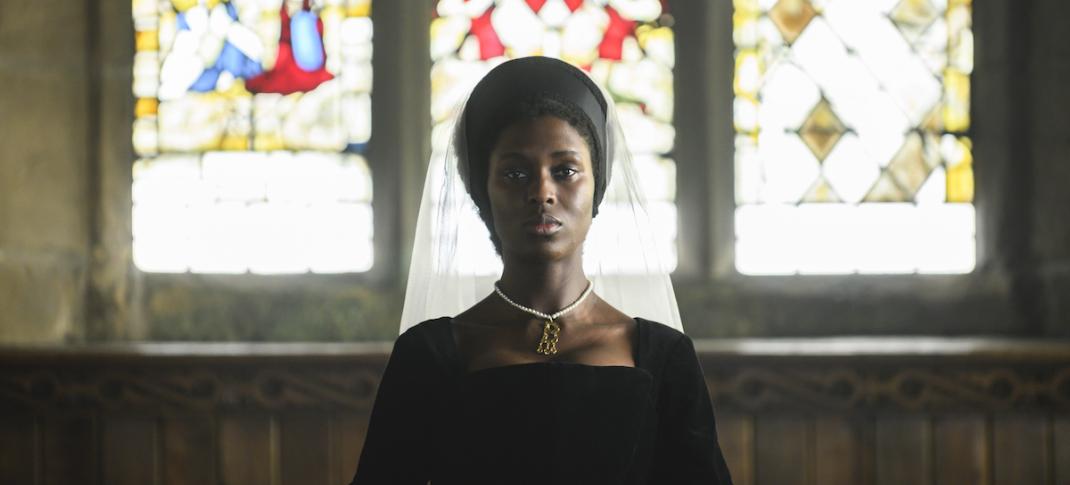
(544, 229)
(543, 225)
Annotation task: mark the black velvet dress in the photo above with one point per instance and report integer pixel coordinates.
(541, 423)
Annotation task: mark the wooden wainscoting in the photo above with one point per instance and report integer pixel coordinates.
(913, 411)
(808, 412)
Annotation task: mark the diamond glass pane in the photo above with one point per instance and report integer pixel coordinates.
(626, 46)
(251, 118)
(851, 146)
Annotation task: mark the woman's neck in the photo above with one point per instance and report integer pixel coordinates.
(546, 287)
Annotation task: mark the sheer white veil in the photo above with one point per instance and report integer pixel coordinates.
(454, 264)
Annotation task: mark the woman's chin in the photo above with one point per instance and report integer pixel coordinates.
(543, 250)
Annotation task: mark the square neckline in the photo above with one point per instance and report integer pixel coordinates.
(459, 366)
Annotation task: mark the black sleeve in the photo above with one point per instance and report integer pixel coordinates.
(397, 442)
(687, 451)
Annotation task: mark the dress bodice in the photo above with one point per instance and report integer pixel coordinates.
(554, 422)
(541, 423)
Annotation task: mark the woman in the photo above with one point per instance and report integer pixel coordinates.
(542, 381)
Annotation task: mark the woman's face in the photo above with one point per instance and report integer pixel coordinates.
(541, 188)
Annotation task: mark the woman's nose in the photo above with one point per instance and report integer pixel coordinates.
(542, 189)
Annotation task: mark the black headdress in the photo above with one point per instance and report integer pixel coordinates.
(495, 100)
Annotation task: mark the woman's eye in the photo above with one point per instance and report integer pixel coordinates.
(514, 174)
(567, 171)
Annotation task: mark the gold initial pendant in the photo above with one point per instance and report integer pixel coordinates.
(548, 343)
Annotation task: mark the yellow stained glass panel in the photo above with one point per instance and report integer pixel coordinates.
(879, 92)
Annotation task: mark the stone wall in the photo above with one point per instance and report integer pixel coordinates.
(1048, 100)
(44, 193)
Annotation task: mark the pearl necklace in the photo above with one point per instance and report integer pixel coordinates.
(550, 329)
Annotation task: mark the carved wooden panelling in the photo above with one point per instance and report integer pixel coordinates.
(800, 387)
(199, 388)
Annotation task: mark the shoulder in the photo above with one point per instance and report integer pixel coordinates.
(426, 328)
(661, 338)
(429, 340)
(665, 351)
(672, 358)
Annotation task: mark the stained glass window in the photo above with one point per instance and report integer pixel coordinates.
(627, 47)
(251, 119)
(851, 146)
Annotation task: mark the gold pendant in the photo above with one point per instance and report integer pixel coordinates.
(548, 343)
